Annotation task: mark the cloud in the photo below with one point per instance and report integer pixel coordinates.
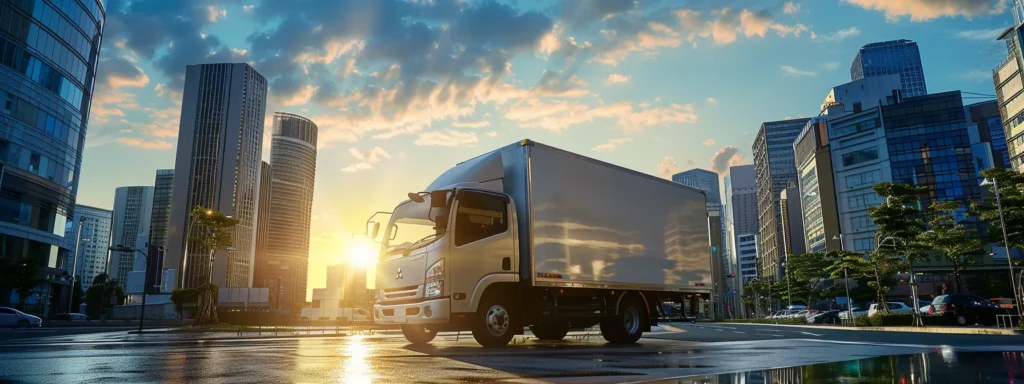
(839, 35)
(214, 15)
(981, 34)
(708, 142)
(120, 72)
(557, 116)
(668, 167)
(366, 159)
(471, 124)
(616, 78)
(248, 8)
(492, 134)
(790, 71)
(926, 10)
(447, 138)
(145, 144)
(790, 8)
(831, 65)
(725, 158)
(612, 144)
(712, 100)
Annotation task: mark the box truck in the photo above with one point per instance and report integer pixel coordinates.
(533, 236)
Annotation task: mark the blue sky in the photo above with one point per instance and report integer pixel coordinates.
(402, 90)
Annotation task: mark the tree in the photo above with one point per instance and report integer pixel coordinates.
(761, 293)
(213, 231)
(877, 269)
(805, 273)
(22, 276)
(958, 244)
(1011, 197)
(900, 227)
(99, 294)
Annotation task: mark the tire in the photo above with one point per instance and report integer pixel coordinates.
(961, 320)
(418, 334)
(625, 327)
(495, 321)
(23, 323)
(551, 330)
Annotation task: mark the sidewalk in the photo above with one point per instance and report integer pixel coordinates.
(943, 330)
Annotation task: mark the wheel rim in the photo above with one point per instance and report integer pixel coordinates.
(631, 320)
(961, 320)
(497, 320)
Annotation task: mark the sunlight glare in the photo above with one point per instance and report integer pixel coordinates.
(361, 253)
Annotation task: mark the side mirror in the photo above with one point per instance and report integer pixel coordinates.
(372, 229)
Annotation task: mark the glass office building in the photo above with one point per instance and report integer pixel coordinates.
(1009, 86)
(50, 51)
(707, 181)
(775, 166)
(900, 57)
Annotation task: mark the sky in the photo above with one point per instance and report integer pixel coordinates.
(403, 90)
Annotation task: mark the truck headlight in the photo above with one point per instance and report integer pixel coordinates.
(435, 280)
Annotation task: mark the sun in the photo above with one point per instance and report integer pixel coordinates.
(361, 253)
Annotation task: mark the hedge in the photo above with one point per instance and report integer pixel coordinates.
(899, 319)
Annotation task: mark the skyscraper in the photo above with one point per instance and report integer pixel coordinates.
(49, 67)
(161, 207)
(901, 57)
(1009, 87)
(217, 166)
(92, 245)
(133, 210)
(293, 159)
(776, 170)
(259, 278)
(741, 208)
(707, 181)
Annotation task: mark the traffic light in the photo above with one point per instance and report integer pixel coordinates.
(731, 275)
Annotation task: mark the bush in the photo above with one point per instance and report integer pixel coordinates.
(862, 321)
(903, 319)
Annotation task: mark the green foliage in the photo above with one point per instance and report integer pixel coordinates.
(1011, 196)
(183, 297)
(761, 293)
(97, 298)
(958, 244)
(904, 319)
(805, 274)
(862, 321)
(793, 321)
(212, 229)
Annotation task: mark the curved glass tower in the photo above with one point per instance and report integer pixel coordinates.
(293, 160)
(49, 51)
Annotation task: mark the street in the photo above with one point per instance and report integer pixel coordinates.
(678, 350)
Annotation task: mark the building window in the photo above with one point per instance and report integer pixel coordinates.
(864, 245)
(861, 223)
(854, 158)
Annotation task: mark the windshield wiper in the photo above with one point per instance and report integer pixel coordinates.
(416, 244)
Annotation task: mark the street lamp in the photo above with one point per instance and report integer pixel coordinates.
(145, 277)
(74, 268)
(846, 279)
(1006, 242)
(913, 280)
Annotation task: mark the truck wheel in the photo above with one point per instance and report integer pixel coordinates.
(551, 330)
(418, 334)
(626, 326)
(494, 322)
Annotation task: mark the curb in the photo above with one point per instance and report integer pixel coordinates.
(941, 330)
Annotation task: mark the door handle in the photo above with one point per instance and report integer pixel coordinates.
(506, 264)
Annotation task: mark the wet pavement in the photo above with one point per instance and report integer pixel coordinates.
(686, 351)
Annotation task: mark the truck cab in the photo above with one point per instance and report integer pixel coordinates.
(463, 232)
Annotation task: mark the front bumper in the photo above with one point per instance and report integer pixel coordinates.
(424, 312)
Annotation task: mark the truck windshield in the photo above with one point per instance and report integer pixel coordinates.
(410, 227)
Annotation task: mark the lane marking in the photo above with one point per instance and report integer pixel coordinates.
(737, 332)
(812, 334)
(768, 334)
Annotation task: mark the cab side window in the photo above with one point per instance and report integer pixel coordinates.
(479, 216)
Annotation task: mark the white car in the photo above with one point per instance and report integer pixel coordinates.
(856, 313)
(783, 314)
(894, 307)
(10, 317)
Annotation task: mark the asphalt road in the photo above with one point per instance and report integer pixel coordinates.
(683, 351)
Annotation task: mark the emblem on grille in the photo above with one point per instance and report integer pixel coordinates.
(399, 275)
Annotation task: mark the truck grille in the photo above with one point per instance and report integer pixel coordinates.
(401, 293)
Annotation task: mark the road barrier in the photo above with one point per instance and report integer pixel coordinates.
(1007, 321)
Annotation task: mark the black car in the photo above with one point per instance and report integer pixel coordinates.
(827, 317)
(966, 309)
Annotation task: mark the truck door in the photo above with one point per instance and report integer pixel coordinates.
(483, 246)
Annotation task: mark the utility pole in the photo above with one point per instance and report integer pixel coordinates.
(74, 268)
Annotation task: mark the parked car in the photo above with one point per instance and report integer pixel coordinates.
(894, 307)
(783, 314)
(965, 309)
(10, 317)
(75, 317)
(827, 317)
(857, 311)
(797, 307)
